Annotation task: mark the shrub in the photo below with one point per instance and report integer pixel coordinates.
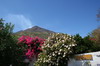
(56, 50)
(31, 46)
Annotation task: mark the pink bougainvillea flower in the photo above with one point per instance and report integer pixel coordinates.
(29, 53)
(33, 45)
(39, 49)
(29, 41)
(21, 39)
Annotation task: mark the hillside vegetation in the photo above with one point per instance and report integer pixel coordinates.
(35, 31)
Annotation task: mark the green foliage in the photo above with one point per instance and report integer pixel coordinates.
(33, 34)
(10, 52)
(56, 51)
(85, 45)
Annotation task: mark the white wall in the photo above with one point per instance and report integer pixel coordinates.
(94, 62)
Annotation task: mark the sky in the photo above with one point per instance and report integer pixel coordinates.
(64, 16)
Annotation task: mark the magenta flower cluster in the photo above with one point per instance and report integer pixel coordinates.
(33, 45)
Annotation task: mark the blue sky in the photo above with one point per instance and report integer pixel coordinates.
(65, 16)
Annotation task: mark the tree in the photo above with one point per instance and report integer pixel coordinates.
(95, 34)
(85, 44)
(80, 44)
(10, 52)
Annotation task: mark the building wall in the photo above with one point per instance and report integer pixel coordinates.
(95, 61)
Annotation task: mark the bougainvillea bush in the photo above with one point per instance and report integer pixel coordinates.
(57, 50)
(31, 46)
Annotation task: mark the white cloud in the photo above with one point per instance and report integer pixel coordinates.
(20, 21)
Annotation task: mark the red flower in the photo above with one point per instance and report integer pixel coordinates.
(92, 39)
(29, 53)
(39, 49)
(29, 41)
(21, 39)
(33, 44)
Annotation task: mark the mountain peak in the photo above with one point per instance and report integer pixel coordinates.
(36, 27)
(39, 29)
(36, 31)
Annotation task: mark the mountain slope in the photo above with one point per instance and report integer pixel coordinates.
(35, 31)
